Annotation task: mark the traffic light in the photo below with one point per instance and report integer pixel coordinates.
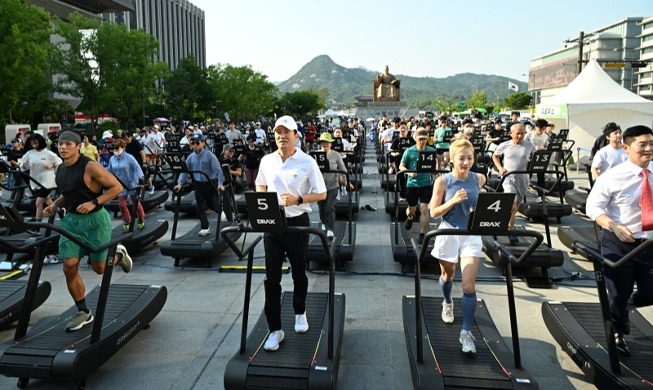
(638, 64)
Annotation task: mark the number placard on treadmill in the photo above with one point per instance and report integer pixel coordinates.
(564, 133)
(404, 143)
(6, 218)
(492, 213)
(221, 139)
(337, 145)
(448, 136)
(540, 161)
(176, 162)
(173, 146)
(239, 146)
(478, 143)
(322, 162)
(426, 161)
(265, 214)
(555, 143)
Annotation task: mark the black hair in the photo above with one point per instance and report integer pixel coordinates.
(635, 131)
(40, 140)
(468, 120)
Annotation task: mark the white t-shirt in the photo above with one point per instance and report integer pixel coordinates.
(154, 143)
(607, 157)
(42, 166)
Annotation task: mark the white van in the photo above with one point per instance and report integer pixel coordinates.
(48, 128)
(11, 131)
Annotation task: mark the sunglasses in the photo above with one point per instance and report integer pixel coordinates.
(195, 142)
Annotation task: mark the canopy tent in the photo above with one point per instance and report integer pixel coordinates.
(592, 100)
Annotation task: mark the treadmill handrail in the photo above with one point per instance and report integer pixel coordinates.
(9, 247)
(594, 255)
(329, 252)
(511, 298)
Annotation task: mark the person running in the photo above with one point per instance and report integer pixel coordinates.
(125, 167)
(453, 195)
(41, 164)
(89, 150)
(516, 153)
(621, 202)
(418, 185)
(81, 181)
(327, 207)
(205, 194)
(297, 180)
(610, 155)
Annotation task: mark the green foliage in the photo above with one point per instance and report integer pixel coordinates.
(25, 47)
(478, 100)
(241, 91)
(518, 101)
(185, 89)
(299, 104)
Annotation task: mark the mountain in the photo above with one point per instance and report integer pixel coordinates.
(344, 84)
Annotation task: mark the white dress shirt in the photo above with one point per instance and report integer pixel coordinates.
(617, 193)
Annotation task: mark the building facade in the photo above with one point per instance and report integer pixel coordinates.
(645, 74)
(616, 47)
(178, 25)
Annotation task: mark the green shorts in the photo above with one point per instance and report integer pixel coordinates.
(94, 229)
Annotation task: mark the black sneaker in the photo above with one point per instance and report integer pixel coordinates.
(421, 238)
(513, 240)
(627, 324)
(33, 231)
(408, 224)
(622, 347)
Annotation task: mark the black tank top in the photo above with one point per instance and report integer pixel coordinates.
(70, 182)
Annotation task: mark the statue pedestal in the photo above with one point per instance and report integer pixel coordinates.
(389, 108)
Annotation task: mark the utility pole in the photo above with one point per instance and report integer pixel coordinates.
(581, 39)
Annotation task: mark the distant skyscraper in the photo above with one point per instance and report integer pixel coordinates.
(178, 25)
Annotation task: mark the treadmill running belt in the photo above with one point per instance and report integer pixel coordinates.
(120, 299)
(297, 350)
(640, 344)
(475, 370)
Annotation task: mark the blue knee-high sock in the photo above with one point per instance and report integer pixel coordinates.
(445, 287)
(468, 306)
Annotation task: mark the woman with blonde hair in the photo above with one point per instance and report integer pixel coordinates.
(454, 193)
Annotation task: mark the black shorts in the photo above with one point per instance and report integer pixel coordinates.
(41, 192)
(421, 194)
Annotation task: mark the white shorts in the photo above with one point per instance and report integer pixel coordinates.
(452, 248)
(516, 184)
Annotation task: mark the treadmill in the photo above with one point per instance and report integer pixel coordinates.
(47, 351)
(436, 361)
(140, 238)
(585, 333)
(191, 245)
(304, 361)
(344, 232)
(588, 235)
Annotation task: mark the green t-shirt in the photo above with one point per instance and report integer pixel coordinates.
(409, 159)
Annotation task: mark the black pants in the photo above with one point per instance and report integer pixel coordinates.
(620, 281)
(205, 195)
(277, 246)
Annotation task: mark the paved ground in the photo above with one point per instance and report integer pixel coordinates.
(192, 339)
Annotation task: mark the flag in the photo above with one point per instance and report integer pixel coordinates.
(513, 86)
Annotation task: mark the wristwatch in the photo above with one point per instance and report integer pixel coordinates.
(300, 200)
(95, 201)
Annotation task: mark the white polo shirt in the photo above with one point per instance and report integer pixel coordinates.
(299, 175)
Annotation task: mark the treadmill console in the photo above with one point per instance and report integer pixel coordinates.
(265, 213)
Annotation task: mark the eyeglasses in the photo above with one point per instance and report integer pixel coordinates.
(195, 142)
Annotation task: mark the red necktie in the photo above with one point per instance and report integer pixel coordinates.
(646, 202)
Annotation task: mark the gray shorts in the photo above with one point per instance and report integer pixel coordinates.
(516, 184)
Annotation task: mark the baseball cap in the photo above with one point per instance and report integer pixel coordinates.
(198, 137)
(16, 140)
(326, 137)
(107, 134)
(421, 133)
(286, 121)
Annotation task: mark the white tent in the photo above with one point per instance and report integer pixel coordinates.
(592, 100)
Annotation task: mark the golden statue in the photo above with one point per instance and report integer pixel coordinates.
(386, 87)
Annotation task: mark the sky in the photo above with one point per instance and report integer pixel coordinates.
(420, 38)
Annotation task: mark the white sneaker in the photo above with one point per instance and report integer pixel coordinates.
(151, 190)
(391, 171)
(467, 340)
(301, 323)
(447, 312)
(330, 234)
(343, 191)
(125, 260)
(538, 199)
(274, 339)
(323, 227)
(204, 232)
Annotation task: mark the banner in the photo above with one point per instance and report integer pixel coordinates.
(513, 86)
(552, 111)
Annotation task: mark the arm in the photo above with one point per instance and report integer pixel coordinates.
(497, 162)
(99, 178)
(595, 172)
(596, 206)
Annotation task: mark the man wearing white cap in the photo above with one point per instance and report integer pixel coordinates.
(297, 180)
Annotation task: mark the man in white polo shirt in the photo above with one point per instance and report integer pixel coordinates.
(297, 180)
(611, 154)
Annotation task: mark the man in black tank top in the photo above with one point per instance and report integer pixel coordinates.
(81, 181)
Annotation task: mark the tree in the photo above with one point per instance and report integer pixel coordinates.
(241, 91)
(186, 87)
(478, 99)
(518, 100)
(25, 47)
(132, 76)
(299, 104)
